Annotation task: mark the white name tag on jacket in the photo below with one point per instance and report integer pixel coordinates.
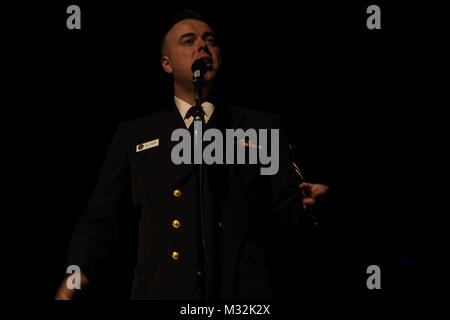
(147, 145)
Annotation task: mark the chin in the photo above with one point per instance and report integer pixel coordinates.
(210, 76)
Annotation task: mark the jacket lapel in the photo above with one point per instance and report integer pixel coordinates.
(174, 174)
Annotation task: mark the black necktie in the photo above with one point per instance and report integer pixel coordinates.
(192, 113)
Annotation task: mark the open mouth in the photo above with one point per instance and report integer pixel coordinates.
(208, 61)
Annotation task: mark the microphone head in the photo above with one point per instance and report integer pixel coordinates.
(199, 68)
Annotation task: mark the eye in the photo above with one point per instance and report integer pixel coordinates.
(188, 41)
(211, 41)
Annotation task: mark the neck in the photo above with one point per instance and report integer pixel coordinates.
(188, 93)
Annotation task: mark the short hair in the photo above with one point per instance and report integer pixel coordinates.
(179, 16)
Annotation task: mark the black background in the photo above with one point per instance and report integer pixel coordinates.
(352, 98)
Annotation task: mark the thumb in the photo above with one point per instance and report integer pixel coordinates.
(64, 293)
(304, 185)
(306, 188)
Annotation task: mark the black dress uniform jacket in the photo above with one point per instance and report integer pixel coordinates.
(246, 213)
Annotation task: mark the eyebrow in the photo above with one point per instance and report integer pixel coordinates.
(191, 34)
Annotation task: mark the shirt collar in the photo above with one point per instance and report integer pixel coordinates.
(183, 108)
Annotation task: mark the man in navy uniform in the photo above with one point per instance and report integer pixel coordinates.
(246, 213)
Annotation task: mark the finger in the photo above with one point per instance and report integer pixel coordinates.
(304, 185)
(319, 190)
(309, 201)
(63, 295)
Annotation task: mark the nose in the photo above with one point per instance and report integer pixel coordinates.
(204, 46)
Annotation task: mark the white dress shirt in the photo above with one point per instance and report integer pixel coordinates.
(183, 108)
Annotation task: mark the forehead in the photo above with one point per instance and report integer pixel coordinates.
(188, 26)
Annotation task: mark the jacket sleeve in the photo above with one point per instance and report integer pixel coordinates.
(97, 233)
(287, 195)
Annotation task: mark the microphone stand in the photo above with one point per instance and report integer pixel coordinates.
(201, 243)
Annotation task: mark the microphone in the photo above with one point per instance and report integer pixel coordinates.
(199, 68)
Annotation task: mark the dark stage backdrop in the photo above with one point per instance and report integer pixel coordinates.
(352, 99)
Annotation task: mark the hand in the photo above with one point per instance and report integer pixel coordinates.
(64, 293)
(313, 194)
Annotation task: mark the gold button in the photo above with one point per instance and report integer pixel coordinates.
(177, 193)
(175, 255)
(176, 224)
(220, 224)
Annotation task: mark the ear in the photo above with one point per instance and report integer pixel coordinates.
(165, 63)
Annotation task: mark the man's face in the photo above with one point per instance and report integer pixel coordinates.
(187, 41)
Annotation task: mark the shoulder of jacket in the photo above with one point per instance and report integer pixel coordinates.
(143, 121)
(254, 114)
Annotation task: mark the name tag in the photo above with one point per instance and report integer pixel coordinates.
(147, 145)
